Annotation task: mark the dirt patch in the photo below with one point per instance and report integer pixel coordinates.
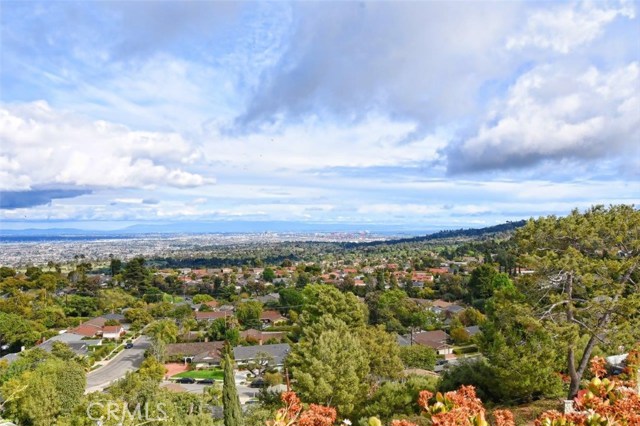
(175, 368)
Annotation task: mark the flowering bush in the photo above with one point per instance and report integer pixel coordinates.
(293, 414)
(604, 402)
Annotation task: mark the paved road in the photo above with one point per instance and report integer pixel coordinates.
(126, 360)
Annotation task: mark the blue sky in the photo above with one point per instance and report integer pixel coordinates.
(419, 114)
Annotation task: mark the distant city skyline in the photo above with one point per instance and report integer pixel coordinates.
(410, 115)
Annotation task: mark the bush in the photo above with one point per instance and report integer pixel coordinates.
(418, 356)
(273, 379)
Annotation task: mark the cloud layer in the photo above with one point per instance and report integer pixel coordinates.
(390, 112)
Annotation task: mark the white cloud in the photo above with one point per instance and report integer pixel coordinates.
(554, 114)
(42, 146)
(315, 144)
(565, 27)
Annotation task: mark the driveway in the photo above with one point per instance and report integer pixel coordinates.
(127, 360)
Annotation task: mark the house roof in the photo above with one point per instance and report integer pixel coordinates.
(117, 317)
(246, 353)
(439, 303)
(87, 330)
(272, 316)
(112, 329)
(194, 348)
(472, 330)
(434, 339)
(212, 315)
(271, 297)
(454, 309)
(74, 341)
(262, 335)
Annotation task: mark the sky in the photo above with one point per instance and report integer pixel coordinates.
(423, 115)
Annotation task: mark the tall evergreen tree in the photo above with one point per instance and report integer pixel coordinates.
(230, 400)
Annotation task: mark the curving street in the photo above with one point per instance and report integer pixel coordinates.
(126, 360)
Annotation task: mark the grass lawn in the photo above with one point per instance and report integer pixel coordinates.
(172, 299)
(216, 374)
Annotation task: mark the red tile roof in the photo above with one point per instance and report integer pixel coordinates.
(87, 330)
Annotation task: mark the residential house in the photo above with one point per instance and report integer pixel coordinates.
(436, 340)
(438, 306)
(269, 298)
(244, 354)
(472, 330)
(453, 310)
(272, 318)
(114, 332)
(262, 336)
(200, 354)
(79, 345)
(211, 316)
(210, 305)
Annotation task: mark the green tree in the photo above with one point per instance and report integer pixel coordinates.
(230, 400)
(260, 364)
(397, 312)
(587, 279)
(418, 356)
(63, 351)
(199, 299)
(322, 299)
(481, 282)
(383, 353)
(138, 317)
(52, 390)
(330, 366)
(291, 298)
(17, 331)
(152, 369)
(394, 399)
(268, 274)
(135, 274)
(471, 316)
(248, 313)
(165, 331)
(520, 351)
(6, 272)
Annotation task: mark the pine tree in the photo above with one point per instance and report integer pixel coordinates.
(230, 400)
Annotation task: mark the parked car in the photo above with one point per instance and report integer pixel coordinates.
(187, 380)
(258, 383)
(206, 382)
(129, 345)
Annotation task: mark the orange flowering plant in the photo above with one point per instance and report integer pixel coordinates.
(293, 413)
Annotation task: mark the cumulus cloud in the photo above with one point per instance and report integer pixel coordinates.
(42, 146)
(567, 26)
(552, 114)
